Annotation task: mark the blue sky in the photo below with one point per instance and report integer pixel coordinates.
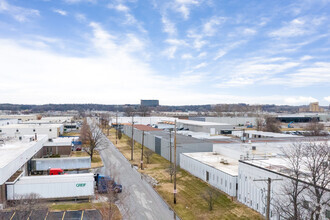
(177, 51)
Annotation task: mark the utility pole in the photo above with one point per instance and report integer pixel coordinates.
(142, 150)
(174, 191)
(243, 135)
(116, 126)
(170, 147)
(171, 165)
(269, 181)
(132, 151)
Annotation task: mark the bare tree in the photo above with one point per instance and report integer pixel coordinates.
(290, 203)
(91, 137)
(316, 162)
(25, 204)
(272, 124)
(129, 111)
(170, 170)
(259, 123)
(120, 134)
(144, 111)
(315, 128)
(148, 154)
(210, 195)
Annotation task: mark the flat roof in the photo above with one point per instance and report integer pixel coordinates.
(14, 148)
(263, 133)
(203, 135)
(180, 139)
(214, 160)
(23, 125)
(200, 123)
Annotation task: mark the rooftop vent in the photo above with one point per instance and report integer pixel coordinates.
(254, 148)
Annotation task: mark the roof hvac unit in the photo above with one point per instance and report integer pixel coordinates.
(254, 148)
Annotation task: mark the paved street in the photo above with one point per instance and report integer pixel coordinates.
(139, 200)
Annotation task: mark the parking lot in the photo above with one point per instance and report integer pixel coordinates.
(53, 215)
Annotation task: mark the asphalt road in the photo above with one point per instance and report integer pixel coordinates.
(138, 199)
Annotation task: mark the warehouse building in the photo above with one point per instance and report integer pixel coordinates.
(20, 118)
(160, 141)
(215, 169)
(17, 130)
(253, 193)
(140, 120)
(208, 127)
(15, 155)
(253, 134)
(150, 103)
(228, 120)
(4, 121)
(58, 146)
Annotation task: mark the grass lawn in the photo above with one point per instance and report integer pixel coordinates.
(71, 134)
(190, 204)
(96, 160)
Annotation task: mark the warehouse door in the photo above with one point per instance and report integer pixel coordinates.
(207, 176)
(158, 145)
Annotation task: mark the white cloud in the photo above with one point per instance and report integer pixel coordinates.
(316, 73)
(220, 54)
(80, 1)
(80, 17)
(169, 27)
(298, 27)
(201, 55)
(256, 70)
(327, 98)
(177, 42)
(186, 56)
(61, 12)
(201, 65)
(18, 13)
(296, 100)
(183, 6)
(306, 57)
(249, 31)
(170, 52)
(210, 27)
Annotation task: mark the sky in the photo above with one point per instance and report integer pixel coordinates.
(178, 51)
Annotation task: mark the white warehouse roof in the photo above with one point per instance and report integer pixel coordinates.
(214, 160)
(200, 123)
(15, 153)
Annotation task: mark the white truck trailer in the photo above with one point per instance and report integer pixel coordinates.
(52, 187)
(65, 163)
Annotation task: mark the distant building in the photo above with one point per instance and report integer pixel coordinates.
(314, 107)
(150, 103)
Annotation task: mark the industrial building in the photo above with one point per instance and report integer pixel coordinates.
(228, 120)
(17, 130)
(234, 168)
(150, 103)
(208, 127)
(4, 122)
(14, 156)
(160, 141)
(140, 120)
(20, 118)
(59, 146)
(253, 193)
(215, 169)
(262, 134)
